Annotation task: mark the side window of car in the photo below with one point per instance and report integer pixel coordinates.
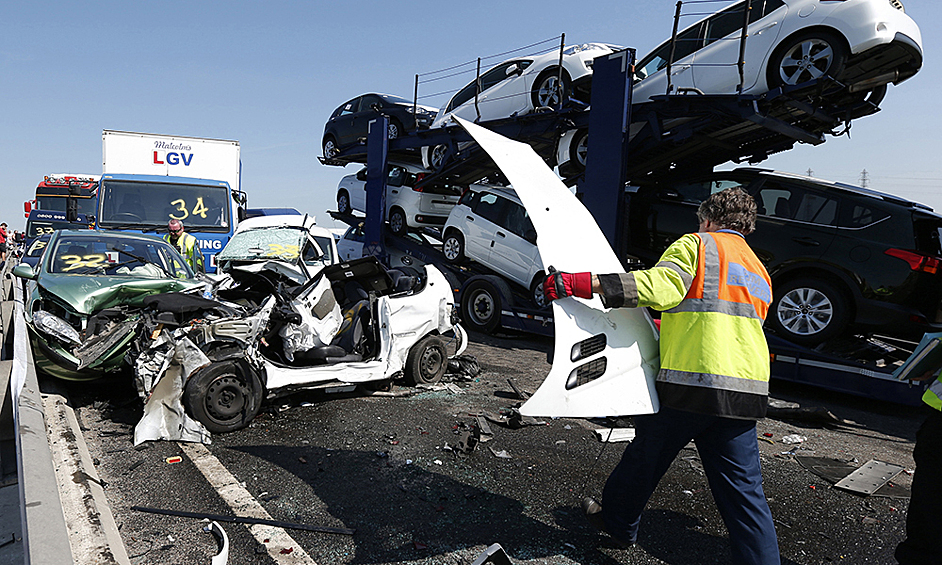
(724, 23)
(515, 219)
(489, 207)
(396, 176)
(687, 42)
(350, 107)
(763, 10)
(469, 199)
(366, 102)
(859, 215)
(780, 200)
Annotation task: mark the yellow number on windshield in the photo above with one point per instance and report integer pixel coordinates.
(76, 261)
(289, 251)
(200, 209)
(181, 207)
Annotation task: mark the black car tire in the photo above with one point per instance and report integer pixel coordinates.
(827, 51)
(579, 149)
(343, 202)
(224, 397)
(481, 303)
(427, 361)
(545, 92)
(437, 157)
(394, 129)
(808, 311)
(397, 222)
(453, 246)
(330, 147)
(536, 291)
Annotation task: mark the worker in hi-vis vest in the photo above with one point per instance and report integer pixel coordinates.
(924, 517)
(186, 244)
(713, 294)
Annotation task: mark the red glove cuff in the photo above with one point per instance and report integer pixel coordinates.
(581, 284)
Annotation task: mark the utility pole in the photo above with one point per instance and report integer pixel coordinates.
(864, 179)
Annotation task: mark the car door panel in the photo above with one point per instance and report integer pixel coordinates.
(715, 69)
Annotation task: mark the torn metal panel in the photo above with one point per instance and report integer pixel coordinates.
(869, 477)
(493, 555)
(95, 348)
(605, 361)
(164, 416)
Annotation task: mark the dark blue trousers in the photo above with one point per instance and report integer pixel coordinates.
(730, 455)
(921, 546)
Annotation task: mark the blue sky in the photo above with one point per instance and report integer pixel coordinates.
(268, 74)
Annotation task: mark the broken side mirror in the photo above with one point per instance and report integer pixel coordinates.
(24, 271)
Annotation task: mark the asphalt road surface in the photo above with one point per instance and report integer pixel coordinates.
(385, 466)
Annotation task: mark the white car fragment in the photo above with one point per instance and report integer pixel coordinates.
(605, 360)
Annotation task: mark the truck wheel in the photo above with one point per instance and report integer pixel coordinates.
(453, 247)
(427, 361)
(397, 221)
(481, 306)
(808, 311)
(224, 397)
(343, 202)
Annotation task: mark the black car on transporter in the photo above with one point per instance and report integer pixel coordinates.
(840, 256)
(349, 123)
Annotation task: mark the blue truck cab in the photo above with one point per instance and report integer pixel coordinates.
(208, 209)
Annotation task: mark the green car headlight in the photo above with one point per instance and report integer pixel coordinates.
(56, 327)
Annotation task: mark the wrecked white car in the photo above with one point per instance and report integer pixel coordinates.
(352, 323)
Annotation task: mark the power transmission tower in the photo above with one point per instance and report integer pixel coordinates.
(864, 179)
(810, 172)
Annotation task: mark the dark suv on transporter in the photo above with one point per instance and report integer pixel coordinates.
(840, 256)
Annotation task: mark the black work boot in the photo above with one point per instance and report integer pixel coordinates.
(593, 513)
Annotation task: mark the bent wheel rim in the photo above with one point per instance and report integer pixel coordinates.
(805, 311)
(226, 398)
(431, 362)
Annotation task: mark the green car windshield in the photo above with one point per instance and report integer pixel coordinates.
(114, 255)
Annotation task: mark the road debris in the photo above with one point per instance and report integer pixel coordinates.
(245, 520)
(493, 555)
(221, 558)
(615, 435)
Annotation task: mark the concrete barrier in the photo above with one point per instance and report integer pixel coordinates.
(43, 537)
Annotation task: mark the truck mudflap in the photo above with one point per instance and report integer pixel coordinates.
(606, 360)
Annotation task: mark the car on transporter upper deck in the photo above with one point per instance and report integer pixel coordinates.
(840, 256)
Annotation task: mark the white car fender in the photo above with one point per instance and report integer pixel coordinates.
(605, 361)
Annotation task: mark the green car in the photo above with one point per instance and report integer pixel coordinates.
(84, 296)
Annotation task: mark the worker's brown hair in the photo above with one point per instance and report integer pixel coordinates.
(733, 209)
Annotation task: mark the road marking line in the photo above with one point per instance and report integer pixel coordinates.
(243, 503)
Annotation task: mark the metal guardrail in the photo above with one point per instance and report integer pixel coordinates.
(44, 535)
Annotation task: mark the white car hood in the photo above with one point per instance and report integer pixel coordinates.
(623, 346)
